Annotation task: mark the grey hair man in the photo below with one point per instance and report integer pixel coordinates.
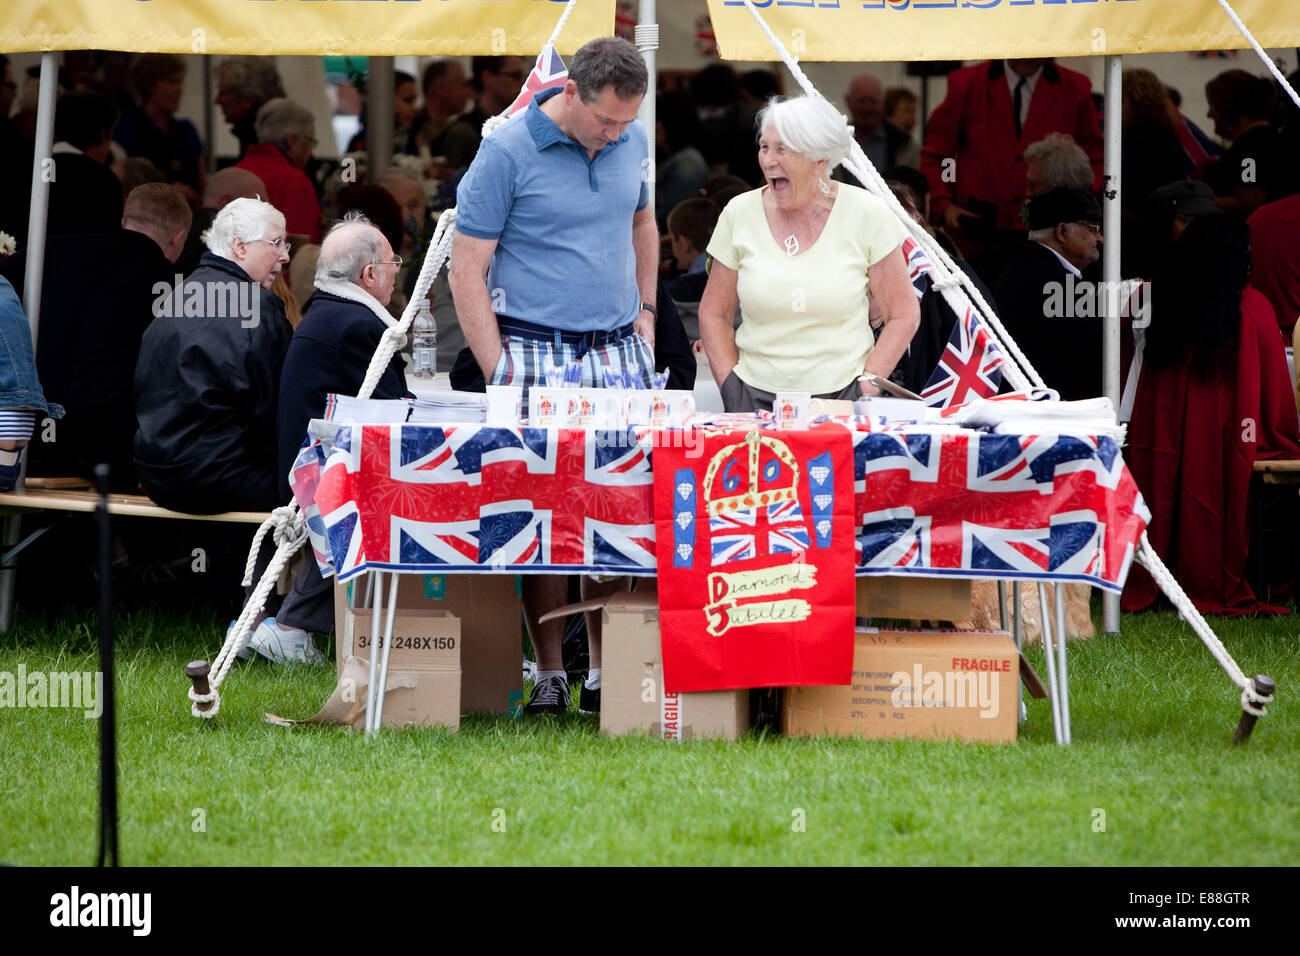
(329, 354)
(1055, 161)
(555, 258)
(287, 134)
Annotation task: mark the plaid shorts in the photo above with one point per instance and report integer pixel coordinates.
(526, 349)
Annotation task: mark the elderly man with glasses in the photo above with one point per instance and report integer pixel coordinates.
(330, 352)
(207, 382)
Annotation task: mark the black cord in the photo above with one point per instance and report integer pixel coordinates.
(107, 718)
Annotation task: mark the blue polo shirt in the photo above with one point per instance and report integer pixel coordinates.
(562, 221)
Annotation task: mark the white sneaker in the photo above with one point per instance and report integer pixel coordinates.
(285, 645)
(245, 651)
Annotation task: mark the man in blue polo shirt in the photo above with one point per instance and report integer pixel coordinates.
(555, 259)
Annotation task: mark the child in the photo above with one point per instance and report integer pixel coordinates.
(690, 226)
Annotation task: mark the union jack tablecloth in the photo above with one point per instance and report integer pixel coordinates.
(462, 498)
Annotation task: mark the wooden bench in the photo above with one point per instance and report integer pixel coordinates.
(71, 495)
(1277, 471)
(1281, 471)
(137, 506)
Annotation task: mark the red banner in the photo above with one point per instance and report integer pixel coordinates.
(755, 533)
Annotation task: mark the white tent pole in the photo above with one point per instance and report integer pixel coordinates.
(647, 41)
(1110, 269)
(379, 116)
(32, 279)
(39, 220)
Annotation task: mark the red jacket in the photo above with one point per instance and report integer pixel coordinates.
(287, 189)
(1191, 448)
(1275, 258)
(974, 125)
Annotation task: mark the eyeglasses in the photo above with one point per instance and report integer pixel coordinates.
(395, 261)
(279, 245)
(1095, 229)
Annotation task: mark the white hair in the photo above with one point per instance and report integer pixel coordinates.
(809, 125)
(246, 219)
(347, 248)
(280, 118)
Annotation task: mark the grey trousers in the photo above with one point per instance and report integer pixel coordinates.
(740, 397)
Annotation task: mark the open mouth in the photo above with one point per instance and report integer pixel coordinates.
(779, 183)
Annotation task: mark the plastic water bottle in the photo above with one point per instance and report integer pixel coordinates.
(424, 343)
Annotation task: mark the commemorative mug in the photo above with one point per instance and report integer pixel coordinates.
(668, 408)
(504, 405)
(795, 409)
(551, 406)
(597, 407)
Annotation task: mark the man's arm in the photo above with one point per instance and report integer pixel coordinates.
(645, 243)
(470, 257)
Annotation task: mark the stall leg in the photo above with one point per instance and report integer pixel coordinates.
(1053, 688)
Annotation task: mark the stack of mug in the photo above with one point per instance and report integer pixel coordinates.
(569, 407)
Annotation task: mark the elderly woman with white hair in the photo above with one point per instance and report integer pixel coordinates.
(800, 257)
(207, 383)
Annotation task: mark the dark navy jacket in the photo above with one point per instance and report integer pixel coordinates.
(330, 352)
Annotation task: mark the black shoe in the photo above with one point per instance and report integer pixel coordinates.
(550, 696)
(589, 700)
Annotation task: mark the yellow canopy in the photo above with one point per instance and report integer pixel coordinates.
(302, 27)
(983, 29)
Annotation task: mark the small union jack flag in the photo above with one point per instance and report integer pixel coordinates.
(969, 366)
(739, 535)
(548, 71)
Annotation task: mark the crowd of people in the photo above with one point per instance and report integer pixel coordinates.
(228, 304)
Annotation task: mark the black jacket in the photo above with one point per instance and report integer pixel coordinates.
(931, 338)
(207, 391)
(87, 350)
(1037, 308)
(330, 352)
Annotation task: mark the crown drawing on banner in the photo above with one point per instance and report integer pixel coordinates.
(748, 495)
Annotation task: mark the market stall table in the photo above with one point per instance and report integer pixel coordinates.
(932, 501)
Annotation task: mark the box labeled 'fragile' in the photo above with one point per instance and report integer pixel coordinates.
(632, 696)
(923, 684)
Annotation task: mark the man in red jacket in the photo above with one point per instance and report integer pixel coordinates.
(975, 140)
(286, 134)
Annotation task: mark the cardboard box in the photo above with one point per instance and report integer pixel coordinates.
(925, 684)
(914, 598)
(423, 666)
(632, 697)
(491, 646)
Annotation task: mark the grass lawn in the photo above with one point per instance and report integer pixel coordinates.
(1152, 716)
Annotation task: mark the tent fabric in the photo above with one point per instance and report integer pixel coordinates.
(449, 27)
(876, 30)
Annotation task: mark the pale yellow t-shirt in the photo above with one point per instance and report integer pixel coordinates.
(805, 325)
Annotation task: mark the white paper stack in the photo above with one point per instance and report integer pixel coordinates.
(1093, 416)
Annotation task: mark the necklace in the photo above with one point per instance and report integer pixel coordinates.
(792, 240)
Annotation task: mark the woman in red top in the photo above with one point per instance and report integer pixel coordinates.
(1213, 398)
